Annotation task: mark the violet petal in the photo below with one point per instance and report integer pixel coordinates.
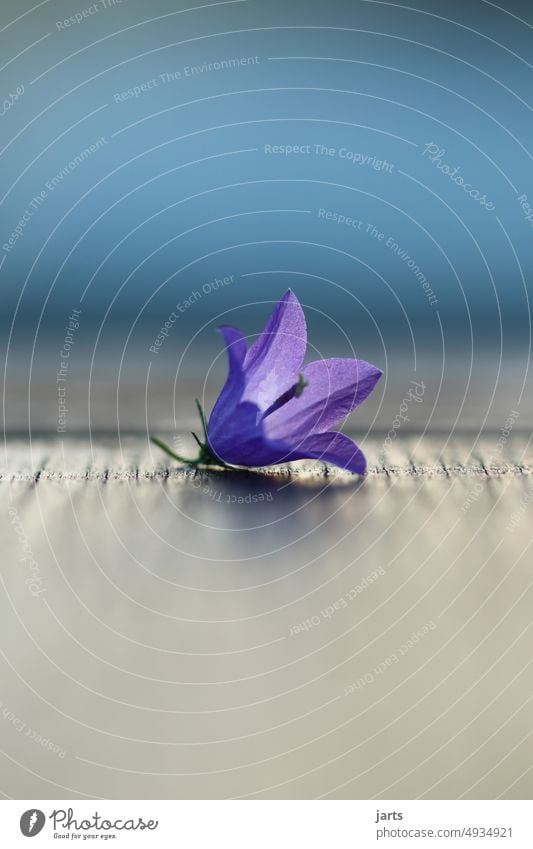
(274, 360)
(331, 447)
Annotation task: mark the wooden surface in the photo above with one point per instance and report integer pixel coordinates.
(295, 634)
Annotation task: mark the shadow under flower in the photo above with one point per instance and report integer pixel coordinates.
(294, 479)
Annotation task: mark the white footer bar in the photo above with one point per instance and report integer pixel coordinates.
(267, 824)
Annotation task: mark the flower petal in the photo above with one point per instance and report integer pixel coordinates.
(335, 388)
(233, 388)
(331, 447)
(276, 356)
(243, 443)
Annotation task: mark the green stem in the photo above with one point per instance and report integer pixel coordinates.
(205, 457)
(202, 418)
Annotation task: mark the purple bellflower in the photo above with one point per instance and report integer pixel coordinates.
(272, 409)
